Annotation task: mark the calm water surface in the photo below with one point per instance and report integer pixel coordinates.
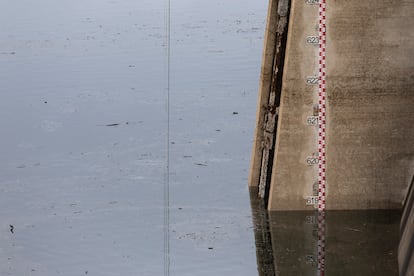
(83, 120)
(83, 132)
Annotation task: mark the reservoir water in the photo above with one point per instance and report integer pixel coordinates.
(83, 146)
(83, 118)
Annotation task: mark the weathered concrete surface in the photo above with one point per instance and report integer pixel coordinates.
(359, 243)
(371, 103)
(264, 91)
(370, 115)
(292, 178)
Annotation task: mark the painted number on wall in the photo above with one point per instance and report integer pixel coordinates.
(312, 160)
(312, 2)
(313, 39)
(311, 200)
(312, 80)
(312, 120)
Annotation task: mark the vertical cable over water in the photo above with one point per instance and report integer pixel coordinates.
(166, 190)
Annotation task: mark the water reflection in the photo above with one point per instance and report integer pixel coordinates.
(264, 250)
(357, 242)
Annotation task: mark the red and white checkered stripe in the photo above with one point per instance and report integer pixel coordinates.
(322, 106)
(322, 138)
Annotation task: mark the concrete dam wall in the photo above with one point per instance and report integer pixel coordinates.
(370, 105)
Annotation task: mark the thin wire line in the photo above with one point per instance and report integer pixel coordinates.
(167, 165)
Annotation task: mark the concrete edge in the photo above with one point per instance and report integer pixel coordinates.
(264, 91)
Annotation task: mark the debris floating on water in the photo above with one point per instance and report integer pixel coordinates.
(110, 125)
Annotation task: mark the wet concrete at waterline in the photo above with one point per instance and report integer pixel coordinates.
(357, 242)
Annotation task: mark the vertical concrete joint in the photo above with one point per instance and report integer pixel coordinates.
(271, 113)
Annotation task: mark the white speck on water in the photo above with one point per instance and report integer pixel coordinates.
(50, 126)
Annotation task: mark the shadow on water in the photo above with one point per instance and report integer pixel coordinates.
(362, 242)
